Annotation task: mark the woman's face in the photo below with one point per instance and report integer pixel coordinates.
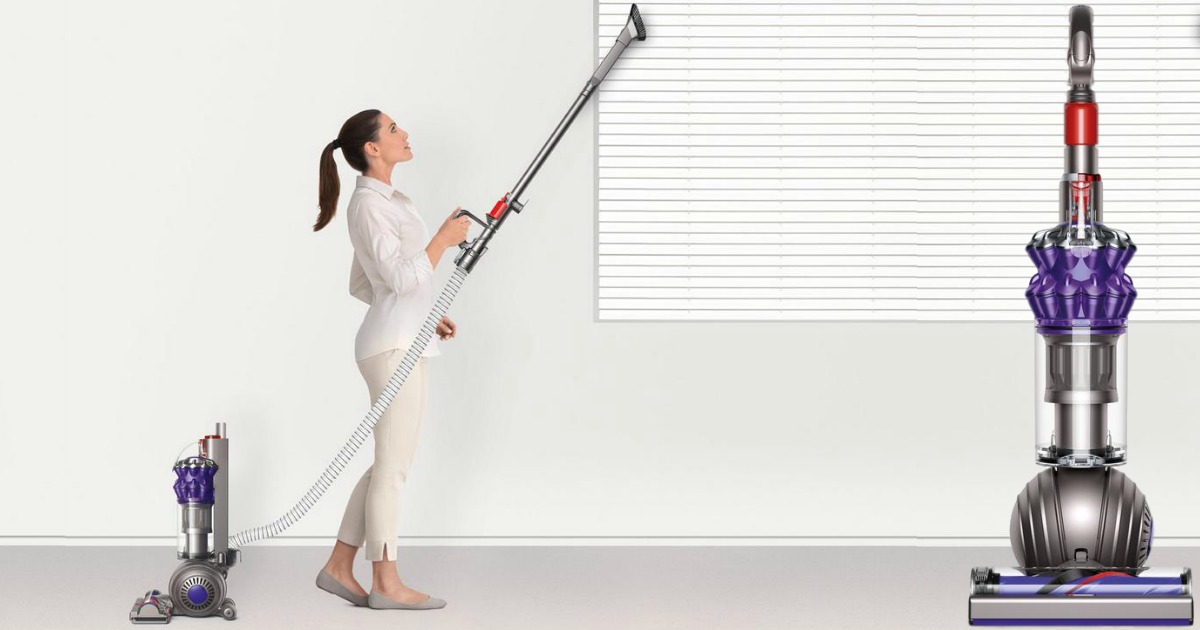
(392, 146)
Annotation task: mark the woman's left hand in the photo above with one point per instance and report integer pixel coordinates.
(446, 329)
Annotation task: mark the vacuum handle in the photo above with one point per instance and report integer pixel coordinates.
(1080, 55)
(467, 213)
(1081, 20)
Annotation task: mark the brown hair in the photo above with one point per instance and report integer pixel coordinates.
(358, 130)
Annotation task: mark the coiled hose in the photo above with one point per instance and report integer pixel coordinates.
(360, 435)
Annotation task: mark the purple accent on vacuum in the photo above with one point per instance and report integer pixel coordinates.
(1079, 283)
(1081, 622)
(194, 481)
(197, 594)
(1106, 586)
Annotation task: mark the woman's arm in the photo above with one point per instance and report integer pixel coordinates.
(379, 236)
(360, 285)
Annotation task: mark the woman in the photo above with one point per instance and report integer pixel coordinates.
(392, 271)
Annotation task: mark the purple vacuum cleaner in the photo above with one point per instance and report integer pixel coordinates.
(1081, 529)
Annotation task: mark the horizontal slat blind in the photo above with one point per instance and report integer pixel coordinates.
(799, 160)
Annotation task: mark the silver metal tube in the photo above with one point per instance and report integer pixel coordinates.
(609, 60)
(634, 29)
(1081, 158)
(196, 526)
(566, 121)
(1081, 429)
(218, 451)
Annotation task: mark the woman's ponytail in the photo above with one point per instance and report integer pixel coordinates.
(330, 187)
(358, 130)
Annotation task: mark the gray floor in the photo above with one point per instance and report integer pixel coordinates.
(530, 588)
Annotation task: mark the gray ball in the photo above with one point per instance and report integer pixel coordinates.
(1081, 517)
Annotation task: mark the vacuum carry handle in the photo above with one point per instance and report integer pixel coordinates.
(1080, 55)
(467, 213)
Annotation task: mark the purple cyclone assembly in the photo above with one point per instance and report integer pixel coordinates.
(195, 491)
(1081, 283)
(194, 481)
(1081, 529)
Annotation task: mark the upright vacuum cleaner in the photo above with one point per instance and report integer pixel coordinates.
(1081, 529)
(197, 588)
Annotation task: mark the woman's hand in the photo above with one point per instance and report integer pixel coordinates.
(446, 329)
(453, 231)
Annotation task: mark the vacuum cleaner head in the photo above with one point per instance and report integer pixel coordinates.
(634, 29)
(635, 19)
(1142, 597)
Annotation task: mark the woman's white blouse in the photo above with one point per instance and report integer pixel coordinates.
(390, 271)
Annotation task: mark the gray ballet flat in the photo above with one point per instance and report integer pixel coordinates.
(327, 583)
(379, 602)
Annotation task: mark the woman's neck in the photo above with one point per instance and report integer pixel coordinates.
(382, 174)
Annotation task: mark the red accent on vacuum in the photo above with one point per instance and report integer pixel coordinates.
(1082, 192)
(1079, 124)
(499, 208)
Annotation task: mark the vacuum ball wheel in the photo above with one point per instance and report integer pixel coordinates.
(229, 610)
(198, 589)
(1094, 517)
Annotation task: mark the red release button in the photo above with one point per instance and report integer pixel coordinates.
(498, 209)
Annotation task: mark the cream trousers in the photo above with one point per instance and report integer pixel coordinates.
(371, 514)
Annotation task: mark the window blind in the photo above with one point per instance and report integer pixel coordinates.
(798, 160)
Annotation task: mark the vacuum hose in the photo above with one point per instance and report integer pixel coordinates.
(360, 435)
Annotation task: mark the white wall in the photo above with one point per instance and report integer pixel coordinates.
(160, 274)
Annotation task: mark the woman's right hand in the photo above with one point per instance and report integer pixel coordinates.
(453, 230)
